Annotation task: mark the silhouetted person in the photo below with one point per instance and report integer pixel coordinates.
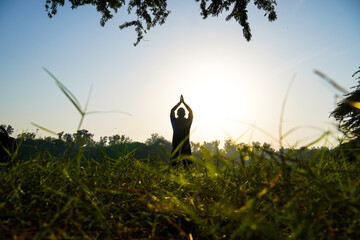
(181, 127)
(7, 145)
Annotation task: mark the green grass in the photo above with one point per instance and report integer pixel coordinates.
(49, 198)
(125, 198)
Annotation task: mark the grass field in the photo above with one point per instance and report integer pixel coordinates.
(271, 196)
(125, 198)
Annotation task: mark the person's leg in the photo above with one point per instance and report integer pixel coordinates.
(187, 162)
(174, 159)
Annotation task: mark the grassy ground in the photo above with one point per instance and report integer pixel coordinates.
(130, 199)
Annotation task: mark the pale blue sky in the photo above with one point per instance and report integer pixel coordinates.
(224, 78)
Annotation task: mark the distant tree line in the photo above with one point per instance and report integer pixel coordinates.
(156, 148)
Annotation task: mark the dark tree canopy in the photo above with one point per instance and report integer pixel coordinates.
(150, 13)
(347, 111)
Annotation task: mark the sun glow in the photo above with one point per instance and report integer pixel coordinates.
(217, 96)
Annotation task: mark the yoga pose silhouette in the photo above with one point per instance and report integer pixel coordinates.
(181, 136)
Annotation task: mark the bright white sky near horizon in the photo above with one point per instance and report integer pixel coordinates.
(225, 79)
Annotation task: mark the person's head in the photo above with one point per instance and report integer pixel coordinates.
(181, 112)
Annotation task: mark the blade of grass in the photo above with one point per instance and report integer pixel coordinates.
(110, 111)
(318, 139)
(332, 82)
(88, 99)
(255, 127)
(62, 85)
(67, 92)
(75, 102)
(281, 137)
(299, 128)
(81, 121)
(84, 112)
(45, 129)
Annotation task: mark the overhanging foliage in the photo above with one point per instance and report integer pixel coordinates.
(150, 13)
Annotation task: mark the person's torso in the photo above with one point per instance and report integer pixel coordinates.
(181, 129)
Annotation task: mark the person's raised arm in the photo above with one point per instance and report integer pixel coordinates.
(189, 109)
(172, 112)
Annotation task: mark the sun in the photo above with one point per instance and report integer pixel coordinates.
(216, 96)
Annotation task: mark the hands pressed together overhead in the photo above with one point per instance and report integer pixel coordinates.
(178, 104)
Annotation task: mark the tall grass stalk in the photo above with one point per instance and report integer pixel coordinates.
(71, 97)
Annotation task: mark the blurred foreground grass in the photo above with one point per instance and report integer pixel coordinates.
(124, 198)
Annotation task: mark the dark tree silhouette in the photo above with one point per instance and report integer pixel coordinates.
(60, 135)
(347, 112)
(9, 129)
(67, 137)
(156, 139)
(117, 139)
(212, 146)
(150, 13)
(7, 145)
(84, 137)
(27, 136)
(103, 141)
